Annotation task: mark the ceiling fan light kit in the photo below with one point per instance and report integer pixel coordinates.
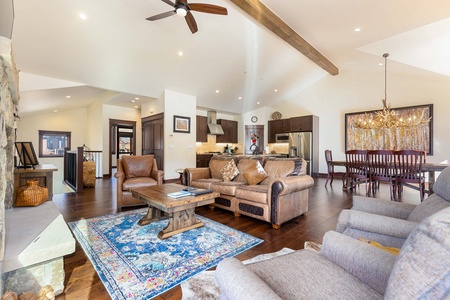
(183, 9)
(181, 12)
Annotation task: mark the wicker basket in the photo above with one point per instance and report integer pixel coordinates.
(31, 195)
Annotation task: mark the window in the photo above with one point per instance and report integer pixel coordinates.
(53, 143)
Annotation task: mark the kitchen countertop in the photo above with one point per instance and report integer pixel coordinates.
(238, 154)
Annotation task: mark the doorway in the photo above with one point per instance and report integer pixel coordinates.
(122, 141)
(153, 138)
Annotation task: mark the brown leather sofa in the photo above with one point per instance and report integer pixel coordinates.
(133, 172)
(278, 198)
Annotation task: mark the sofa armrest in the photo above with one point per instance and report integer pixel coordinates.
(120, 176)
(192, 174)
(292, 184)
(158, 175)
(374, 223)
(238, 282)
(369, 264)
(388, 208)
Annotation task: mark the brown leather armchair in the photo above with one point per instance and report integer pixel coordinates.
(133, 172)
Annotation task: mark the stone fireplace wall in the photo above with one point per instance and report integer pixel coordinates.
(9, 100)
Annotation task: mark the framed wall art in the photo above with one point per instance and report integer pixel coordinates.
(27, 156)
(181, 124)
(417, 136)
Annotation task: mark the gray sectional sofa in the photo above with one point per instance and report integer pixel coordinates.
(389, 223)
(346, 268)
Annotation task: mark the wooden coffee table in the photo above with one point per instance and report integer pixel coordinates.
(180, 212)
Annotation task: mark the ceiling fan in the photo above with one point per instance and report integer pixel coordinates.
(183, 8)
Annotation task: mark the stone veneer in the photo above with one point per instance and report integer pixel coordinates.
(9, 100)
(31, 253)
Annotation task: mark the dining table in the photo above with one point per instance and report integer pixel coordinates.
(430, 168)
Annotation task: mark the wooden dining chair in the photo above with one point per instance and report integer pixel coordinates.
(381, 169)
(408, 171)
(330, 169)
(357, 168)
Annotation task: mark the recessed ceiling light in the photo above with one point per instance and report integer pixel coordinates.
(137, 98)
(240, 98)
(275, 90)
(55, 110)
(83, 16)
(380, 64)
(132, 101)
(357, 29)
(258, 102)
(67, 97)
(180, 53)
(136, 106)
(217, 91)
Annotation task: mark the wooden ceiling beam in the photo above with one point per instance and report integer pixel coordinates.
(267, 18)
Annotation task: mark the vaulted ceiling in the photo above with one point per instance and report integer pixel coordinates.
(116, 55)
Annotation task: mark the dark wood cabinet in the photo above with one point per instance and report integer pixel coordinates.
(304, 123)
(153, 138)
(203, 160)
(202, 129)
(278, 126)
(230, 129)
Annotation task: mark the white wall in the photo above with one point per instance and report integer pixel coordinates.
(74, 121)
(333, 96)
(95, 125)
(179, 148)
(263, 115)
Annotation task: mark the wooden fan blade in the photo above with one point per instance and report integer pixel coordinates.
(191, 22)
(160, 16)
(208, 8)
(168, 2)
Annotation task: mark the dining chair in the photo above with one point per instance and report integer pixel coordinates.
(408, 171)
(330, 169)
(381, 169)
(357, 168)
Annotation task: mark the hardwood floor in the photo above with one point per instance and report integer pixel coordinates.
(325, 204)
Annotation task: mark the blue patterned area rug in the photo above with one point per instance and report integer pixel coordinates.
(133, 263)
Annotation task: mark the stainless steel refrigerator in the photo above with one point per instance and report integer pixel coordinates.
(300, 145)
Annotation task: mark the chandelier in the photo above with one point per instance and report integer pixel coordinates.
(388, 118)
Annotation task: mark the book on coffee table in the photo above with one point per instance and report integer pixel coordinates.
(179, 194)
(197, 192)
(189, 192)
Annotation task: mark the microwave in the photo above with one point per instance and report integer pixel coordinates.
(282, 138)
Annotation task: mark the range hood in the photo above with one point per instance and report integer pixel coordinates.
(213, 127)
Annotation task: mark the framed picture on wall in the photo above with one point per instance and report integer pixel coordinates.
(181, 124)
(413, 137)
(27, 156)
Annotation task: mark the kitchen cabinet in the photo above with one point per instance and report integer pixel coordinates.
(277, 126)
(230, 129)
(202, 129)
(304, 123)
(203, 160)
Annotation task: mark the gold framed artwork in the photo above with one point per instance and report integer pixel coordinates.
(181, 124)
(412, 137)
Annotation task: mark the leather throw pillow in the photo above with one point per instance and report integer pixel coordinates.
(255, 174)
